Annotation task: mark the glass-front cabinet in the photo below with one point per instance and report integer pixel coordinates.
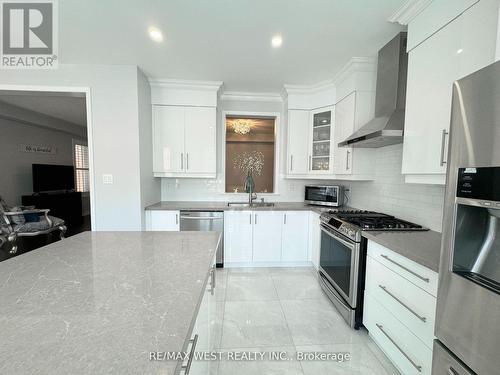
(320, 156)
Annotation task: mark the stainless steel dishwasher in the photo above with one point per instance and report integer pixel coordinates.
(206, 221)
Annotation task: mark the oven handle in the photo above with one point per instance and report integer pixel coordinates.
(350, 244)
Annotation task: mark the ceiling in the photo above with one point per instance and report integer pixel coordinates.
(64, 106)
(227, 40)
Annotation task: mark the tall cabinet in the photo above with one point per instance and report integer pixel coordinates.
(441, 56)
(184, 129)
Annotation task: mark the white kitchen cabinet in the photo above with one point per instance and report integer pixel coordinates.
(263, 238)
(168, 139)
(159, 220)
(309, 142)
(400, 307)
(295, 236)
(432, 68)
(459, 48)
(238, 236)
(297, 145)
(314, 239)
(205, 328)
(200, 140)
(267, 236)
(351, 113)
(184, 141)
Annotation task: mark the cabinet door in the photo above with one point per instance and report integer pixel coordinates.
(344, 127)
(168, 139)
(432, 69)
(298, 146)
(162, 220)
(295, 236)
(478, 36)
(267, 236)
(321, 136)
(238, 236)
(200, 140)
(314, 239)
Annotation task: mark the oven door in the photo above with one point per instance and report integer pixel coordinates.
(339, 263)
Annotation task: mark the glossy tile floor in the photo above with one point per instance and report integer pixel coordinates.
(284, 309)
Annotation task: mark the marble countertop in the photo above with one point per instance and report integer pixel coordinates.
(99, 302)
(223, 206)
(423, 247)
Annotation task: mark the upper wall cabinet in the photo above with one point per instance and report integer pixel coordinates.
(184, 141)
(461, 47)
(354, 108)
(184, 128)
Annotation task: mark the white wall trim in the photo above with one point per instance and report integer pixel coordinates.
(186, 84)
(251, 96)
(408, 11)
(88, 103)
(355, 64)
(277, 143)
(309, 89)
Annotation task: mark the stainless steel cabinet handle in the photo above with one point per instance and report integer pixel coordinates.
(187, 366)
(187, 161)
(176, 219)
(405, 268)
(381, 327)
(291, 163)
(182, 161)
(255, 219)
(443, 143)
(201, 218)
(212, 282)
(347, 160)
(423, 319)
(452, 371)
(250, 219)
(310, 162)
(284, 218)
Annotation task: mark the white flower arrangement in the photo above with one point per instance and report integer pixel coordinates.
(250, 162)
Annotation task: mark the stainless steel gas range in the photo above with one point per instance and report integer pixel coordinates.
(343, 256)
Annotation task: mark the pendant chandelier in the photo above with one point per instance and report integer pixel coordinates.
(242, 126)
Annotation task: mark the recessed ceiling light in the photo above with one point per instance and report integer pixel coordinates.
(459, 51)
(277, 41)
(155, 34)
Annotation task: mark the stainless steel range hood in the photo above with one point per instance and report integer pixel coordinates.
(387, 126)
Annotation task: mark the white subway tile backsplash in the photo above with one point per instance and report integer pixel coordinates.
(388, 193)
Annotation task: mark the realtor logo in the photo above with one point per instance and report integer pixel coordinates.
(29, 34)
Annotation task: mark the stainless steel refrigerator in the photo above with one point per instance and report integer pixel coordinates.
(468, 305)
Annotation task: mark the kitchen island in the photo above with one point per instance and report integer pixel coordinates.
(100, 302)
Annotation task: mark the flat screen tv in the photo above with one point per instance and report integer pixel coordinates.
(48, 177)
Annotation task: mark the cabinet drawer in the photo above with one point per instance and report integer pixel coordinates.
(412, 306)
(419, 275)
(403, 348)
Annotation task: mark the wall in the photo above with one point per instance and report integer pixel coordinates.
(114, 106)
(150, 187)
(388, 193)
(15, 166)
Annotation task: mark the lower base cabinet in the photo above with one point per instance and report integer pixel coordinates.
(160, 220)
(266, 238)
(399, 308)
(204, 336)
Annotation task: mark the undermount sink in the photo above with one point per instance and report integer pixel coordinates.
(246, 204)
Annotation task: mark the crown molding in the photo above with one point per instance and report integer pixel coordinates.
(186, 84)
(356, 64)
(308, 89)
(408, 11)
(242, 96)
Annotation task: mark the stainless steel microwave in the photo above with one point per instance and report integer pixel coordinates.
(324, 195)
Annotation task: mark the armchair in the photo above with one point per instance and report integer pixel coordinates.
(14, 225)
